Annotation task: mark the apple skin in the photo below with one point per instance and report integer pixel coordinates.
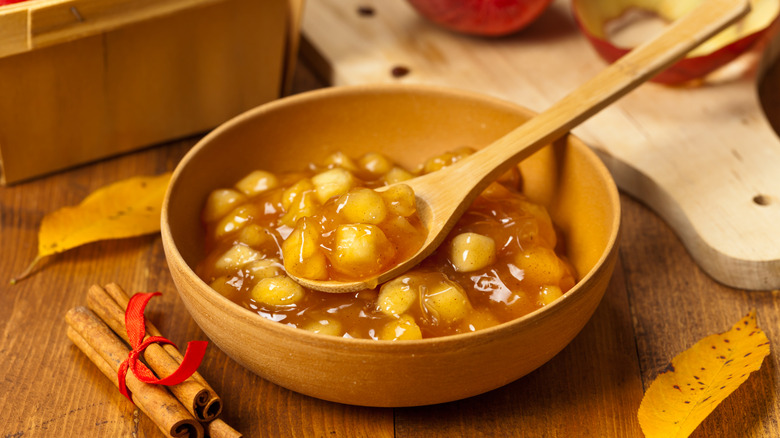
(9, 2)
(684, 70)
(481, 17)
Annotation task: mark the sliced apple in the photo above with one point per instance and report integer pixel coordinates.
(481, 17)
(614, 27)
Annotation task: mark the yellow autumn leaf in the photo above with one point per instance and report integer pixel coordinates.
(127, 208)
(698, 379)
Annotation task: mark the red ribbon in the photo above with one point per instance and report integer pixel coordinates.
(136, 330)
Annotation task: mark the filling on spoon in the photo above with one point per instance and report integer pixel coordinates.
(502, 260)
(357, 234)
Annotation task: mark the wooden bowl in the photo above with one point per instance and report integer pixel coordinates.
(408, 123)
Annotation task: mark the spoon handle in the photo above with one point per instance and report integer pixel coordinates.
(624, 75)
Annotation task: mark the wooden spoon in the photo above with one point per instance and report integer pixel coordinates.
(443, 196)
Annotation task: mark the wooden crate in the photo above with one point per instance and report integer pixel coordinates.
(82, 80)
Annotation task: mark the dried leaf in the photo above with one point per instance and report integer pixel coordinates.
(127, 208)
(701, 377)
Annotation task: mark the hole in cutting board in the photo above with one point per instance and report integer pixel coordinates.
(365, 11)
(399, 71)
(762, 200)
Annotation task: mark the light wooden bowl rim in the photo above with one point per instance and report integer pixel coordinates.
(453, 341)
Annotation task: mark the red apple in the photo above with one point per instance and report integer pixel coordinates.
(613, 27)
(481, 17)
(9, 2)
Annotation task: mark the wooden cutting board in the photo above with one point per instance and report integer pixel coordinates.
(705, 158)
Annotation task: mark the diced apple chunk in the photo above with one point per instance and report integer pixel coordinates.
(546, 229)
(363, 206)
(277, 291)
(333, 182)
(305, 206)
(549, 293)
(254, 235)
(396, 297)
(361, 250)
(436, 163)
(265, 268)
(339, 159)
(479, 320)
(401, 329)
(375, 163)
(299, 201)
(295, 192)
(235, 220)
(220, 202)
(446, 302)
(446, 159)
(236, 258)
(396, 175)
(472, 252)
(463, 152)
(302, 254)
(324, 326)
(224, 286)
(400, 200)
(399, 226)
(540, 265)
(257, 182)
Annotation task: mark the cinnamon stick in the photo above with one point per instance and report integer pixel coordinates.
(220, 429)
(107, 351)
(206, 410)
(191, 393)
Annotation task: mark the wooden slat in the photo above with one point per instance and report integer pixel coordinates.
(67, 20)
(13, 30)
(33, 24)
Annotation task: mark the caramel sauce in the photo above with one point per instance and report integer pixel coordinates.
(502, 260)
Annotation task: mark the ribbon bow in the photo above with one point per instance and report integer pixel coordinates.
(136, 331)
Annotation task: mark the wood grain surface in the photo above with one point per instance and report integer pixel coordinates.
(659, 303)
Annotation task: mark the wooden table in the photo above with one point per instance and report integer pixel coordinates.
(658, 304)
